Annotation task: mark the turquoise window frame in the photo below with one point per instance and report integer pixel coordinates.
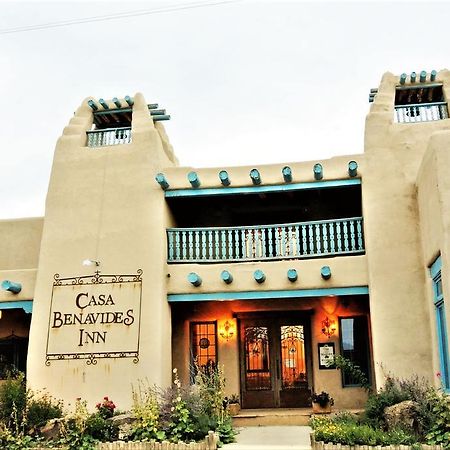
(441, 323)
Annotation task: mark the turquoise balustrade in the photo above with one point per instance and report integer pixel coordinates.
(266, 242)
(108, 136)
(421, 112)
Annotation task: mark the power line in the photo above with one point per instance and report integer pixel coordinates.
(117, 16)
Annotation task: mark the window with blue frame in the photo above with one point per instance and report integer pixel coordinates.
(354, 337)
(441, 324)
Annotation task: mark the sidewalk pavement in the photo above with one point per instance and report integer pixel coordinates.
(271, 438)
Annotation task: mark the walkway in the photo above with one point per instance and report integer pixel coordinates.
(271, 438)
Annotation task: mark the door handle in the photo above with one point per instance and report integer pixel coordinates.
(278, 368)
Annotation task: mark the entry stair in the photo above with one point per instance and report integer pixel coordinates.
(278, 416)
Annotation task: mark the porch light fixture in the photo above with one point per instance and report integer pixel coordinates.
(91, 262)
(227, 331)
(328, 327)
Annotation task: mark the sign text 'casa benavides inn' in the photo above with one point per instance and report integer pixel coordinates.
(94, 317)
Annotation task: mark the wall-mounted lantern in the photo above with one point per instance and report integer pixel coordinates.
(227, 331)
(328, 327)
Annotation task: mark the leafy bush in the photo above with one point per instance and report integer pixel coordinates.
(100, 428)
(146, 410)
(13, 402)
(42, 407)
(323, 399)
(350, 432)
(439, 430)
(353, 370)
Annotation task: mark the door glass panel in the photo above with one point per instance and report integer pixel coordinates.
(293, 363)
(257, 364)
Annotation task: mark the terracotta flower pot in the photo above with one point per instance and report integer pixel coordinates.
(317, 409)
(234, 408)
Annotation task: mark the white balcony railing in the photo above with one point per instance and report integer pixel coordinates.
(421, 112)
(266, 242)
(109, 136)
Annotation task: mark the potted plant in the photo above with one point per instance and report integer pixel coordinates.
(322, 403)
(233, 405)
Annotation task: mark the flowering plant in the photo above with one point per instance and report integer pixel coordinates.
(106, 408)
(323, 399)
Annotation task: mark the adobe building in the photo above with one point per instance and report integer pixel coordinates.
(141, 266)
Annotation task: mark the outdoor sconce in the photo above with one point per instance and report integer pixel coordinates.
(91, 262)
(193, 179)
(161, 179)
(224, 178)
(11, 286)
(255, 176)
(328, 327)
(227, 331)
(318, 171)
(287, 174)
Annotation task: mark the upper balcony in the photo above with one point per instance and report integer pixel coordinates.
(266, 226)
(112, 121)
(325, 238)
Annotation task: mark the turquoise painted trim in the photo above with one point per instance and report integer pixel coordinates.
(325, 271)
(194, 279)
(352, 168)
(413, 77)
(11, 286)
(262, 295)
(436, 267)
(433, 75)
(260, 189)
(26, 305)
(193, 179)
(226, 277)
(255, 176)
(318, 171)
(292, 275)
(259, 276)
(224, 178)
(287, 174)
(161, 179)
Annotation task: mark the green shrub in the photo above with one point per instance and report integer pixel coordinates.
(390, 394)
(100, 428)
(13, 402)
(350, 432)
(439, 431)
(42, 407)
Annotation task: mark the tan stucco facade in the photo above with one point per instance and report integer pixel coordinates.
(104, 204)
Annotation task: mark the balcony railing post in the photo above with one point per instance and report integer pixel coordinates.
(256, 243)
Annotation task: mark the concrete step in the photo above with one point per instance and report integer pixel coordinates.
(272, 417)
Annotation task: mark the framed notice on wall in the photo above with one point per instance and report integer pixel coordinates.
(326, 355)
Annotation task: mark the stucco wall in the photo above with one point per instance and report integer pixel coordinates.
(21, 240)
(102, 205)
(434, 208)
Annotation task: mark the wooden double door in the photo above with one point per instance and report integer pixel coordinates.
(275, 362)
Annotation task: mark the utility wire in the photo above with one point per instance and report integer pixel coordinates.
(117, 16)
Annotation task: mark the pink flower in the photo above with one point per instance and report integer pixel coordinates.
(438, 374)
